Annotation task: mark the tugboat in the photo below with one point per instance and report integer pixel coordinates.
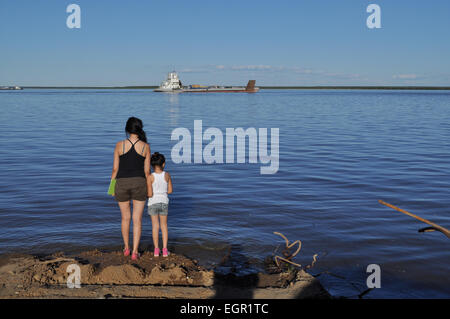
(174, 85)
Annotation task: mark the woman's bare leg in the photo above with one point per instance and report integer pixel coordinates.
(126, 216)
(164, 231)
(138, 209)
(155, 230)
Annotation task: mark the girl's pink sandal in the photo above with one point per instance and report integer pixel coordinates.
(134, 256)
(156, 252)
(165, 252)
(126, 252)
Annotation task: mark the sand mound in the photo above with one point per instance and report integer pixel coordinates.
(114, 269)
(111, 274)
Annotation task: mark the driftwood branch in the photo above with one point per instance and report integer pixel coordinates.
(285, 260)
(427, 229)
(313, 262)
(433, 227)
(290, 245)
(57, 260)
(288, 256)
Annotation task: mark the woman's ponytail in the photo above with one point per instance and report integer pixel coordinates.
(141, 133)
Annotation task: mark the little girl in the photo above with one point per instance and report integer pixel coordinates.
(159, 184)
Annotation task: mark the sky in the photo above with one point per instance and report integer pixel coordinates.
(301, 42)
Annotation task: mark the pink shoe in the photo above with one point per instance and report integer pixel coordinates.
(165, 252)
(156, 252)
(135, 256)
(126, 252)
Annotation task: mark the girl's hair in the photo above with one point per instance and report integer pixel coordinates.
(134, 126)
(157, 159)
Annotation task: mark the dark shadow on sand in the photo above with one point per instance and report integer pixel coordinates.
(228, 284)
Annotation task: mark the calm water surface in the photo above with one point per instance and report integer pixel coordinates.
(340, 151)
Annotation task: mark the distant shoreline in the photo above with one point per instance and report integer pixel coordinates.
(261, 87)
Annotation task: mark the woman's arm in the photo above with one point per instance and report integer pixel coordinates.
(147, 168)
(116, 162)
(169, 184)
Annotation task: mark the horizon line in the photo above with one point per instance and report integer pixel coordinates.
(287, 87)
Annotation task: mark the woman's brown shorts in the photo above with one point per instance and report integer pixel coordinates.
(129, 188)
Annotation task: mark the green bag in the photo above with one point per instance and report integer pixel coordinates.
(112, 187)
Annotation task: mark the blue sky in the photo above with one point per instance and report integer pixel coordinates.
(320, 42)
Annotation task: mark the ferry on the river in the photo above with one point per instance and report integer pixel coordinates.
(173, 84)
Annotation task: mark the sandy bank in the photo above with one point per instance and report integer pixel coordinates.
(110, 275)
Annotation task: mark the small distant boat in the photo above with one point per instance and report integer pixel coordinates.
(173, 84)
(10, 88)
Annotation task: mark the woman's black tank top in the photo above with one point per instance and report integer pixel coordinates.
(131, 164)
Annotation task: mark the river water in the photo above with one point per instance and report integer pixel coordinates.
(340, 151)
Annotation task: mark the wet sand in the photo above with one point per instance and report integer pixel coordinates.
(111, 275)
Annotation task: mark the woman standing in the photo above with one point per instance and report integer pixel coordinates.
(131, 169)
